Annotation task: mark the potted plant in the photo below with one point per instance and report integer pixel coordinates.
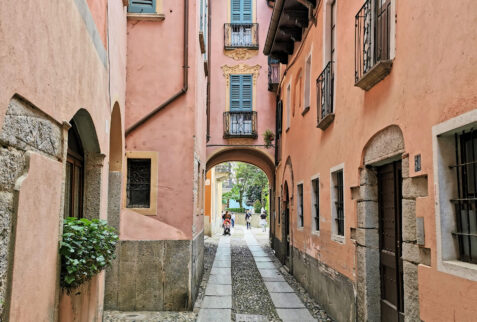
(268, 137)
(87, 248)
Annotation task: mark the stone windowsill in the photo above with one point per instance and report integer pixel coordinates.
(377, 73)
(460, 269)
(337, 238)
(146, 16)
(316, 233)
(326, 121)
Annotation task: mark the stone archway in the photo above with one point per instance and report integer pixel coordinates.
(116, 148)
(385, 147)
(285, 244)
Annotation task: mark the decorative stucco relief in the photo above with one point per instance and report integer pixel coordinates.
(241, 69)
(241, 53)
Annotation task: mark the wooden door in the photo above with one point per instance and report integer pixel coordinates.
(390, 242)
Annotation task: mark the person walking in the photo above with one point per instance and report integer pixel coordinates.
(233, 220)
(248, 219)
(263, 220)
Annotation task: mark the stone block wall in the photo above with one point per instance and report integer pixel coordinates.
(161, 275)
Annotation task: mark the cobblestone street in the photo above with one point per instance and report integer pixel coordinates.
(243, 281)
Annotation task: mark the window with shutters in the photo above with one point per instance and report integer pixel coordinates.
(301, 221)
(74, 184)
(337, 203)
(142, 6)
(241, 32)
(307, 91)
(240, 120)
(373, 42)
(315, 203)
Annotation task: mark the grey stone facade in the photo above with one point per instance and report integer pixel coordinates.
(162, 275)
(25, 129)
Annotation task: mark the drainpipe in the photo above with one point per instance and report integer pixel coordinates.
(185, 84)
(209, 66)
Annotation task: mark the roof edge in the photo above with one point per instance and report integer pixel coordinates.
(272, 27)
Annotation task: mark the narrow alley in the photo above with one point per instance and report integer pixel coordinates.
(243, 282)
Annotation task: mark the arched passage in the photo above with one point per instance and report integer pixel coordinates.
(250, 156)
(116, 148)
(247, 155)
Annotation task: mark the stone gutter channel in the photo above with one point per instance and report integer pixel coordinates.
(244, 297)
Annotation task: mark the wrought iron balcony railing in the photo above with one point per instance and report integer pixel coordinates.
(240, 125)
(273, 74)
(325, 90)
(241, 35)
(372, 43)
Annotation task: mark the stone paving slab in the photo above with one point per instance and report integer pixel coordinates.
(278, 287)
(222, 264)
(220, 270)
(286, 301)
(268, 265)
(269, 272)
(217, 302)
(262, 259)
(250, 318)
(259, 254)
(218, 289)
(295, 315)
(220, 279)
(207, 315)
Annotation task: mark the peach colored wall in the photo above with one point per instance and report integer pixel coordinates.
(265, 103)
(48, 57)
(430, 81)
(155, 49)
(35, 274)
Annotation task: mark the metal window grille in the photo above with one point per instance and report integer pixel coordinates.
(339, 202)
(300, 205)
(325, 90)
(240, 124)
(466, 201)
(241, 35)
(316, 191)
(139, 183)
(372, 35)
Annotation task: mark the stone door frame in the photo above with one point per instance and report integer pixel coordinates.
(385, 147)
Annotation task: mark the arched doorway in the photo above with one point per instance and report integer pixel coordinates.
(115, 167)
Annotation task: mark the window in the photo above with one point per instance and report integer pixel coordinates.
(203, 28)
(300, 205)
(307, 92)
(74, 176)
(142, 6)
(332, 48)
(465, 202)
(241, 11)
(297, 93)
(315, 198)
(139, 183)
(241, 87)
(374, 23)
(337, 203)
(288, 105)
(279, 210)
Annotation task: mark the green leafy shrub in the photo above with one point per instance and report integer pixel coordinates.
(239, 210)
(87, 248)
(257, 206)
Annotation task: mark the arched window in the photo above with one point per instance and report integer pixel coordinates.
(74, 175)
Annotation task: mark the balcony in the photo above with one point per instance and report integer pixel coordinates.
(325, 89)
(372, 43)
(240, 125)
(241, 35)
(273, 74)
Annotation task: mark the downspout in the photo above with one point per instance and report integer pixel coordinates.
(185, 84)
(209, 66)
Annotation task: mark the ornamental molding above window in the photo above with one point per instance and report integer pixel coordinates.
(241, 69)
(241, 53)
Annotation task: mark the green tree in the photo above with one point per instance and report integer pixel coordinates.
(251, 182)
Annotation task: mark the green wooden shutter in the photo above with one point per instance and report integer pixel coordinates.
(235, 92)
(247, 92)
(247, 11)
(236, 11)
(142, 6)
